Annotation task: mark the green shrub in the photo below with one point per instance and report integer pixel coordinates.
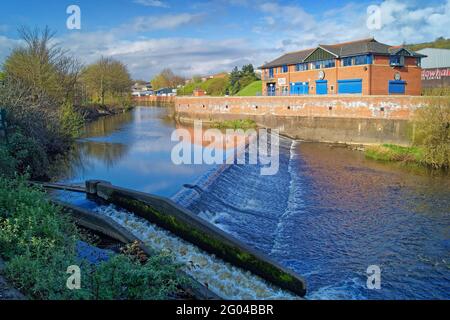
(235, 124)
(124, 278)
(433, 132)
(71, 121)
(390, 152)
(8, 163)
(30, 155)
(38, 243)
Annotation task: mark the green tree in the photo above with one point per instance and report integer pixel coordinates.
(43, 66)
(107, 81)
(239, 79)
(167, 79)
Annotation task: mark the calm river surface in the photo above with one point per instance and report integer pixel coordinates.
(328, 214)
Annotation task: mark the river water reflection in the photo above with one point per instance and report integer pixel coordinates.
(328, 214)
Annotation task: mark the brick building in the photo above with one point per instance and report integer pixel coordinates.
(365, 67)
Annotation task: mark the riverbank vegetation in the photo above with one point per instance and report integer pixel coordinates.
(431, 139)
(39, 242)
(235, 124)
(48, 95)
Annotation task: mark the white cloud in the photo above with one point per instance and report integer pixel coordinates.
(160, 22)
(146, 57)
(292, 27)
(152, 3)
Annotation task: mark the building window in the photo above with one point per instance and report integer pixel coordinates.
(331, 63)
(419, 62)
(301, 67)
(323, 64)
(357, 60)
(347, 62)
(397, 61)
(271, 73)
(284, 69)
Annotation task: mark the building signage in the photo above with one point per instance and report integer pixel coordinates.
(435, 74)
(398, 76)
(281, 81)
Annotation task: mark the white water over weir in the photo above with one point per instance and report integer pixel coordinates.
(224, 279)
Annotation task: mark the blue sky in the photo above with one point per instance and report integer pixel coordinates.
(202, 37)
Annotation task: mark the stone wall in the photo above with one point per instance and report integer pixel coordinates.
(340, 119)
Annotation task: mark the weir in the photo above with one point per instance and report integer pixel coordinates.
(191, 228)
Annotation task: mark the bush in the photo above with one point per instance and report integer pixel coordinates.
(71, 121)
(235, 124)
(389, 152)
(38, 243)
(433, 132)
(30, 155)
(7, 163)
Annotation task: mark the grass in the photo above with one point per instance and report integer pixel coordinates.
(390, 152)
(235, 124)
(38, 242)
(253, 89)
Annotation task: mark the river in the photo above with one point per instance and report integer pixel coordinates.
(328, 214)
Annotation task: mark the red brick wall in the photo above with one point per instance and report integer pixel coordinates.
(361, 107)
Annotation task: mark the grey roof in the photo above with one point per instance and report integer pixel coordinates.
(436, 58)
(289, 58)
(340, 50)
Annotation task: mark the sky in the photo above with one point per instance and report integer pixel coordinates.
(204, 37)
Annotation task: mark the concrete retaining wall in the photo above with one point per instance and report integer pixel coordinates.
(168, 215)
(337, 119)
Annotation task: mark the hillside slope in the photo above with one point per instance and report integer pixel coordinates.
(440, 43)
(253, 89)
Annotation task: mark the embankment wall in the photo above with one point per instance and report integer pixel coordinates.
(336, 119)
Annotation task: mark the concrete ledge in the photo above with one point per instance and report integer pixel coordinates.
(168, 215)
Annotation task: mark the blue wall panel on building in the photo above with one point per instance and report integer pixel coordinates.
(352, 86)
(321, 87)
(397, 87)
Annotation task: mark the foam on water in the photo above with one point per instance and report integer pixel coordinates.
(225, 280)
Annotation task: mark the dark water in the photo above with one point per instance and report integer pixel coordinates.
(133, 150)
(328, 214)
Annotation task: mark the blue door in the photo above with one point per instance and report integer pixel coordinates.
(271, 89)
(321, 87)
(352, 86)
(397, 87)
(298, 88)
